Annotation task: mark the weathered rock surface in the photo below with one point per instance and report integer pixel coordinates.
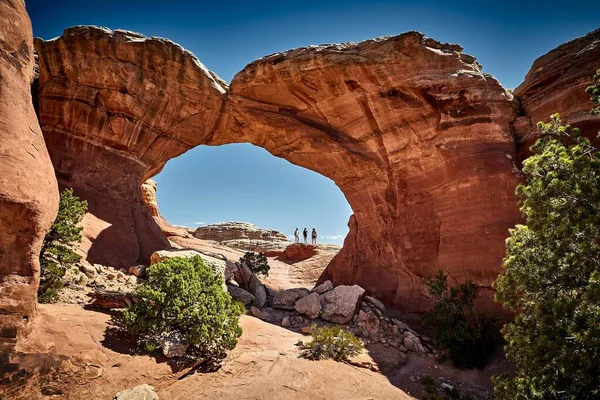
(240, 294)
(28, 188)
(244, 236)
(556, 82)
(323, 287)
(309, 305)
(173, 344)
(141, 392)
(298, 252)
(416, 137)
(149, 188)
(114, 108)
(286, 299)
(339, 304)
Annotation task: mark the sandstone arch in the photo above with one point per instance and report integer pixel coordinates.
(415, 136)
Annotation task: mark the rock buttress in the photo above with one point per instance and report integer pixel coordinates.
(28, 188)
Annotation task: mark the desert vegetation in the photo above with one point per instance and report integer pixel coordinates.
(331, 342)
(257, 262)
(58, 248)
(183, 305)
(468, 336)
(551, 276)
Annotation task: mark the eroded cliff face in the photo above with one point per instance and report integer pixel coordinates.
(114, 108)
(28, 188)
(415, 136)
(556, 82)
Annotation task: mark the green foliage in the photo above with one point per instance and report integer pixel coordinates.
(551, 276)
(257, 262)
(470, 336)
(331, 342)
(594, 92)
(57, 254)
(185, 295)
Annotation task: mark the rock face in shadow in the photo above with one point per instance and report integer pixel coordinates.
(114, 108)
(556, 82)
(414, 134)
(28, 188)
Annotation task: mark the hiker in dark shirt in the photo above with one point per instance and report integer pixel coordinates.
(314, 236)
(305, 234)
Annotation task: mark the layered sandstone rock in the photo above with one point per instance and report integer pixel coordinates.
(556, 82)
(28, 189)
(410, 129)
(416, 137)
(149, 189)
(244, 236)
(114, 108)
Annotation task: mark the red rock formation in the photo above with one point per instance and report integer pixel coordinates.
(415, 136)
(412, 132)
(114, 108)
(28, 189)
(556, 82)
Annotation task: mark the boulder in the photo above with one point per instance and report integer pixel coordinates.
(137, 270)
(173, 344)
(240, 294)
(375, 303)
(298, 252)
(258, 290)
(286, 299)
(339, 305)
(259, 313)
(88, 270)
(323, 287)
(161, 255)
(141, 392)
(309, 305)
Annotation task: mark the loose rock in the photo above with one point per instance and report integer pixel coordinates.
(309, 305)
(141, 392)
(286, 299)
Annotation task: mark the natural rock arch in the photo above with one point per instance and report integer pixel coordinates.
(415, 136)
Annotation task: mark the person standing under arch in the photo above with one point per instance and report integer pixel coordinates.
(296, 236)
(305, 234)
(314, 236)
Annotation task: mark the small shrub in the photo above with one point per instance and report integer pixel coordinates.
(331, 342)
(428, 384)
(185, 295)
(57, 254)
(470, 337)
(257, 262)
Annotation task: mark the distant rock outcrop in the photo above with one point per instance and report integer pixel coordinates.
(244, 236)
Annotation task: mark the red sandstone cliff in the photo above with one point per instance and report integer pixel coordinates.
(28, 190)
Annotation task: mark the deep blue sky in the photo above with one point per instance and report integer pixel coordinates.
(240, 182)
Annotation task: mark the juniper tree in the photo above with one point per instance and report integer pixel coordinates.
(57, 254)
(551, 276)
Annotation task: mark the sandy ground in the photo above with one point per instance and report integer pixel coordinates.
(264, 365)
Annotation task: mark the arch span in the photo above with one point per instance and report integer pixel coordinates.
(415, 135)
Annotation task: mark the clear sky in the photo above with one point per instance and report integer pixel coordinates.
(242, 182)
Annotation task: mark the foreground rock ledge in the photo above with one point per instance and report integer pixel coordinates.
(415, 135)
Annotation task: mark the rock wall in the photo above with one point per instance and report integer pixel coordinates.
(556, 82)
(28, 188)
